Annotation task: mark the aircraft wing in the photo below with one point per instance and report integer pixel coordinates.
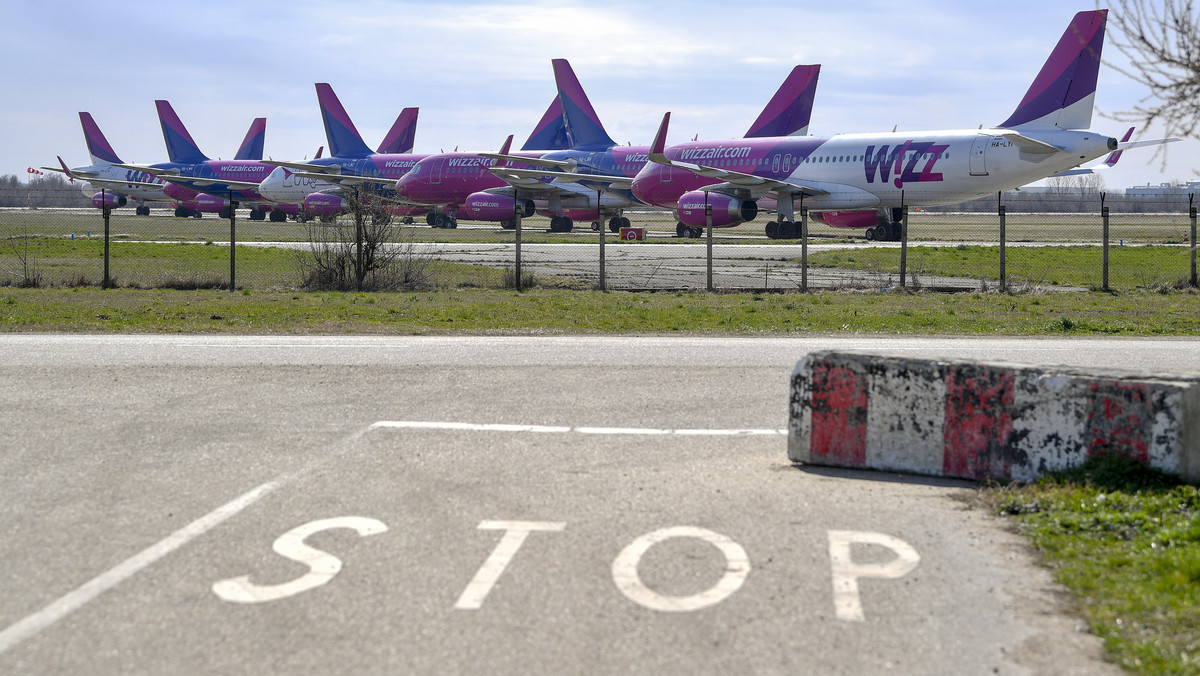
(298, 167)
(149, 170)
(115, 184)
(739, 184)
(191, 182)
(346, 179)
(531, 178)
(559, 165)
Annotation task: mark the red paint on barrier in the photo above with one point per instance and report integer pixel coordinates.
(839, 415)
(1120, 419)
(978, 423)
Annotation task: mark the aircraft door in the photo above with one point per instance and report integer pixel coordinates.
(979, 155)
(435, 172)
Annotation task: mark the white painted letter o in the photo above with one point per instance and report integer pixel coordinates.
(625, 571)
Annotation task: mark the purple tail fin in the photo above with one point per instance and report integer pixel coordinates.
(252, 145)
(551, 131)
(97, 145)
(583, 126)
(790, 110)
(344, 140)
(180, 146)
(403, 134)
(1062, 95)
(1113, 158)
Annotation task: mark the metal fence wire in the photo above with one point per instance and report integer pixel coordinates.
(1014, 241)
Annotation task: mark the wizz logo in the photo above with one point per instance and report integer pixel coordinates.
(903, 161)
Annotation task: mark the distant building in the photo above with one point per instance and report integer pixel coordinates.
(1163, 189)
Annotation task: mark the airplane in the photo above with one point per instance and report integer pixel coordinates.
(194, 178)
(586, 181)
(866, 180)
(120, 182)
(319, 184)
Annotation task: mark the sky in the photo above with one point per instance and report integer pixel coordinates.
(480, 71)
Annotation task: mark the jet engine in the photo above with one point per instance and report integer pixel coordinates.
(726, 211)
(865, 218)
(320, 204)
(486, 206)
(108, 199)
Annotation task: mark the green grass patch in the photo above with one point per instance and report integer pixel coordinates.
(1130, 267)
(545, 310)
(1125, 540)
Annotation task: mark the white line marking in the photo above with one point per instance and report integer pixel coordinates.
(644, 431)
(74, 600)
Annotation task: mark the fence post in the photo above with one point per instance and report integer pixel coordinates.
(1104, 221)
(708, 227)
(232, 244)
(358, 239)
(600, 220)
(517, 262)
(803, 246)
(1002, 210)
(107, 282)
(903, 242)
(1192, 241)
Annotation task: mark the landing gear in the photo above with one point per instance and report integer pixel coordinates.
(561, 224)
(783, 230)
(277, 216)
(686, 232)
(884, 232)
(407, 220)
(258, 215)
(142, 211)
(510, 224)
(442, 221)
(615, 224)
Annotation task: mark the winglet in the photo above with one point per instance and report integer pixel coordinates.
(252, 145)
(1063, 94)
(344, 140)
(583, 125)
(320, 149)
(65, 170)
(551, 131)
(660, 140)
(506, 147)
(180, 146)
(97, 145)
(402, 136)
(790, 109)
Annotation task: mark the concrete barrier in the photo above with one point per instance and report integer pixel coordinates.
(977, 420)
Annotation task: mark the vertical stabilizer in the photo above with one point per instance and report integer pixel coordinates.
(252, 145)
(181, 148)
(402, 136)
(551, 131)
(1063, 94)
(97, 145)
(343, 138)
(583, 126)
(790, 110)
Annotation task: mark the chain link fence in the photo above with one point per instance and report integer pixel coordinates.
(1018, 241)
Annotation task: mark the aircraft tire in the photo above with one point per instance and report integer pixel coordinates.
(772, 230)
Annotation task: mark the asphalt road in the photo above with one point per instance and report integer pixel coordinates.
(212, 504)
